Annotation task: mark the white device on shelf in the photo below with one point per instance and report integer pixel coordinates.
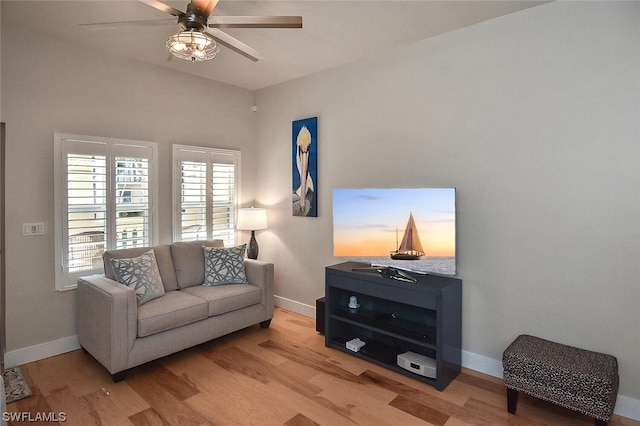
(419, 364)
(355, 344)
(353, 303)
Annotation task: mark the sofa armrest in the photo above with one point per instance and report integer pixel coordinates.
(106, 320)
(261, 274)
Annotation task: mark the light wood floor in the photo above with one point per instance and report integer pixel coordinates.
(280, 376)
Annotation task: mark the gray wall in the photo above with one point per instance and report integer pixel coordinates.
(533, 117)
(57, 88)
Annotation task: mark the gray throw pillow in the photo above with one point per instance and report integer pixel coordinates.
(224, 265)
(140, 273)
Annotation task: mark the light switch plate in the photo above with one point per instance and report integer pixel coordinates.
(29, 229)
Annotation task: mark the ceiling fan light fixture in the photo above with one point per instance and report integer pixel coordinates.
(193, 45)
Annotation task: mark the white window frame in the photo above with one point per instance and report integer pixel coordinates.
(65, 144)
(200, 154)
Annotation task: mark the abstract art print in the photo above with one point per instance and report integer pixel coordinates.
(305, 167)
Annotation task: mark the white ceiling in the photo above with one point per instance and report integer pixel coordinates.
(333, 33)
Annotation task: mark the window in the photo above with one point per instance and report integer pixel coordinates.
(205, 193)
(105, 198)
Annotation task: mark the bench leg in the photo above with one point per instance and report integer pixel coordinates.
(512, 400)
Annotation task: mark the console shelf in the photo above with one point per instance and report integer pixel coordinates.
(394, 317)
(385, 323)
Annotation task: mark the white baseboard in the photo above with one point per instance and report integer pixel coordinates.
(294, 306)
(482, 364)
(41, 351)
(625, 406)
(628, 407)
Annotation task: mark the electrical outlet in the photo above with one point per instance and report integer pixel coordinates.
(29, 229)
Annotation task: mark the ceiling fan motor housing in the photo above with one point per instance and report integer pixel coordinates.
(192, 19)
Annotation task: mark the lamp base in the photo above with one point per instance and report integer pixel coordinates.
(252, 248)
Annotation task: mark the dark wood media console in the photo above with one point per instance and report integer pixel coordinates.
(395, 317)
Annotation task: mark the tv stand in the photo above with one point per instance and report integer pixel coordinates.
(394, 317)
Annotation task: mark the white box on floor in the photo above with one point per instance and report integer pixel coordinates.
(419, 364)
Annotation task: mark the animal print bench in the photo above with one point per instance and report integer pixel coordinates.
(574, 378)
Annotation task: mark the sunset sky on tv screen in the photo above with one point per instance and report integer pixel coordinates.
(370, 222)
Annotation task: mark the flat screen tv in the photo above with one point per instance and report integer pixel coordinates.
(409, 228)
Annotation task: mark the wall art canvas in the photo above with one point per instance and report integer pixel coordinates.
(305, 167)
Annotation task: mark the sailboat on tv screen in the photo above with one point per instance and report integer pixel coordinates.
(410, 248)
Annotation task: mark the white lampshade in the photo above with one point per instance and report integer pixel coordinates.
(252, 219)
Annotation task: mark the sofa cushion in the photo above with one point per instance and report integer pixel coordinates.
(163, 259)
(227, 298)
(172, 310)
(140, 273)
(189, 261)
(224, 265)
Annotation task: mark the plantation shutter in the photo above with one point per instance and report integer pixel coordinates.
(132, 202)
(104, 201)
(207, 194)
(223, 202)
(86, 211)
(193, 203)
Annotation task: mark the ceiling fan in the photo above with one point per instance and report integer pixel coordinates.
(200, 32)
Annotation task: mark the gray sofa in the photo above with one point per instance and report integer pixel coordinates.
(121, 333)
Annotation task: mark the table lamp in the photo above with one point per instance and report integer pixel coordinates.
(252, 219)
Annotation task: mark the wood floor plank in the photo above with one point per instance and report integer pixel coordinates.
(106, 411)
(147, 417)
(363, 407)
(227, 397)
(234, 399)
(432, 400)
(175, 385)
(308, 357)
(314, 407)
(407, 384)
(359, 388)
(496, 396)
(150, 382)
(292, 376)
(37, 403)
(115, 403)
(50, 372)
(456, 422)
(348, 363)
(481, 382)
(283, 375)
(420, 411)
(485, 413)
(300, 420)
(77, 410)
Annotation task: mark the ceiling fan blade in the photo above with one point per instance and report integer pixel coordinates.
(235, 44)
(125, 24)
(255, 22)
(163, 7)
(205, 6)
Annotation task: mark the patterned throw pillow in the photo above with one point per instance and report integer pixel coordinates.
(224, 265)
(140, 273)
